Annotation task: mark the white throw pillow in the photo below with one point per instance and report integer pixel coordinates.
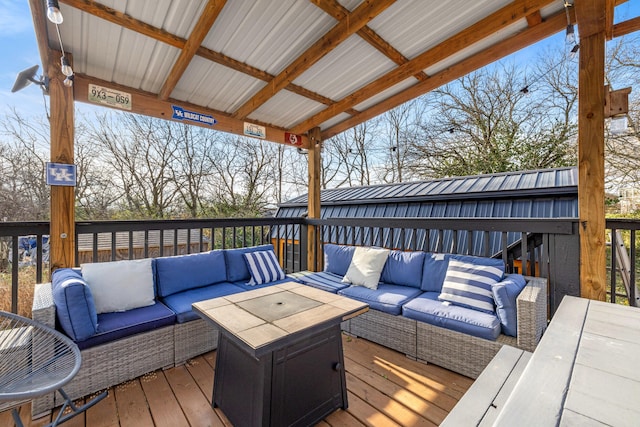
(120, 285)
(366, 267)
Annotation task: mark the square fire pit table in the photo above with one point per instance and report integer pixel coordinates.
(279, 360)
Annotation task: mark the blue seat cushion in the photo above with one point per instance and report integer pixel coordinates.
(75, 308)
(403, 268)
(180, 273)
(337, 258)
(245, 286)
(427, 308)
(181, 302)
(237, 270)
(505, 294)
(322, 280)
(117, 325)
(387, 298)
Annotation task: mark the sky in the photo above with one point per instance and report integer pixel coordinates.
(19, 52)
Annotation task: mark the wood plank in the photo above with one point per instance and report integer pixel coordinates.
(132, 405)
(421, 375)
(209, 15)
(538, 397)
(339, 12)
(148, 104)
(505, 392)
(424, 404)
(104, 413)
(626, 27)
(378, 396)
(25, 416)
(342, 418)
(62, 224)
(475, 403)
(202, 372)
(591, 25)
(385, 404)
(77, 421)
(314, 168)
(360, 17)
(609, 398)
(193, 401)
(164, 406)
(367, 414)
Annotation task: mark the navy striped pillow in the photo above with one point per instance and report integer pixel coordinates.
(263, 267)
(469, 285)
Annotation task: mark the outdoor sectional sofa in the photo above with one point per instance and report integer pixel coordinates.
(406, 312)
(154, 327)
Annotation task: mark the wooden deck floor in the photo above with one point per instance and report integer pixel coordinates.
(385, 389)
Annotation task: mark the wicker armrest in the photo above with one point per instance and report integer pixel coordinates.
(44, 310)
(532, 313)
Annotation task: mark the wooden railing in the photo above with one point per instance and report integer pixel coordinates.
(543, 247)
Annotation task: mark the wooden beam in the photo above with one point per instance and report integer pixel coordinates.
(626, 27)
(148, 104)
(526, 37)
(62, 224)
(40, 26)
(314, 247)
(122, 19)
(339, 12)
(534, 19)
(498, 20)
(591, 96)
(608, 18)
(200, 31)
(364, 13)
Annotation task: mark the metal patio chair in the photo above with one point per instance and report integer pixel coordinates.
(36, 360)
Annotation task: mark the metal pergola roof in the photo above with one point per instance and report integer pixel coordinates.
(285, 65)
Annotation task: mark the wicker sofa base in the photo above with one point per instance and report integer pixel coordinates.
(391, 331)
(458, 352)
(194, 338)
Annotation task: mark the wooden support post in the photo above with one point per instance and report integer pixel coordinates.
(591, 98)
(62, 228)
(314, 247)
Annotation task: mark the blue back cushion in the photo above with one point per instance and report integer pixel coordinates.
(403, 268)
(470, 284)
(435, 268)
(434, 271)
(74, 304)
(179, 273)
(337, 258)
(505, 294)
(237, 270)
(263, 267)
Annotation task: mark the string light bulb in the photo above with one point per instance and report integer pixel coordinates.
(68, 82)
(53, 12)
(571, 35)
(65, 67)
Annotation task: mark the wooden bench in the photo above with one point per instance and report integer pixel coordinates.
(482, 403)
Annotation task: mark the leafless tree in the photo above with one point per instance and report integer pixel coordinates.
(140, 152)
(491, 121)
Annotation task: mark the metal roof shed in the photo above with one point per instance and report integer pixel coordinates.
(549, 193)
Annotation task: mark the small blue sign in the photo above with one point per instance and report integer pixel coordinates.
(61, 174)
(180, 113)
